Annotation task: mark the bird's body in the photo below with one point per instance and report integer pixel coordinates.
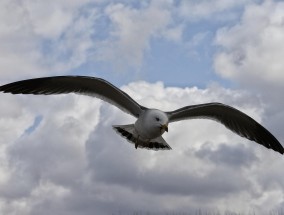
(147, 131)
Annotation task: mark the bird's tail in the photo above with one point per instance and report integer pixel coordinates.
(129, 133)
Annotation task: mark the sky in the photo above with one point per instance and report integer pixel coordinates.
(60, 155)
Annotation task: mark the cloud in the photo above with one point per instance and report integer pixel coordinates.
(133, 28)
(59, 154)
(40, 38)
(251, 50)
(250, 54)
(57, 37)
(73, 162)
(221, 10)
(238, 156)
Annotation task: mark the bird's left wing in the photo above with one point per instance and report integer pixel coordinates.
(76, 84)
(232, 118)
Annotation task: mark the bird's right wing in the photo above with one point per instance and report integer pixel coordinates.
(232, 118)
(76, 84)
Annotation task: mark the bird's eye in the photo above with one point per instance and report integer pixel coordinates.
(157, 119)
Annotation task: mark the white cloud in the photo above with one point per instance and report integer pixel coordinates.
(73, 162)
(206, 9)
(132, 29)
(252, 50)
(57, 36)
(38, 37)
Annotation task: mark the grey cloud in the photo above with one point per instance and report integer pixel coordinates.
(125, 168)
(70, 166)
(74, 163)
(234, 156)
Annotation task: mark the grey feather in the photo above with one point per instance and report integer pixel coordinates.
(76, 84)
(232, 118)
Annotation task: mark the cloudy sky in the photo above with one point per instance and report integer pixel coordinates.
(59, 154)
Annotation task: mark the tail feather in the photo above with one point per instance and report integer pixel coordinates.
(129, 133)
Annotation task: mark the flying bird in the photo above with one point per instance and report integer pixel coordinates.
(147, 130)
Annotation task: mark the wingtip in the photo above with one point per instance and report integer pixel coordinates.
(279, 150)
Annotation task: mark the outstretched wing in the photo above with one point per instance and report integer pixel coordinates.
(76, 84)
(233, 119)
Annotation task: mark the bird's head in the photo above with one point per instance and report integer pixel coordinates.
(159, 120)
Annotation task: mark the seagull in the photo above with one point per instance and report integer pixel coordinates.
(150, 124)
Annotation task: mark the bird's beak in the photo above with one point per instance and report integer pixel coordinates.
(165, 127)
